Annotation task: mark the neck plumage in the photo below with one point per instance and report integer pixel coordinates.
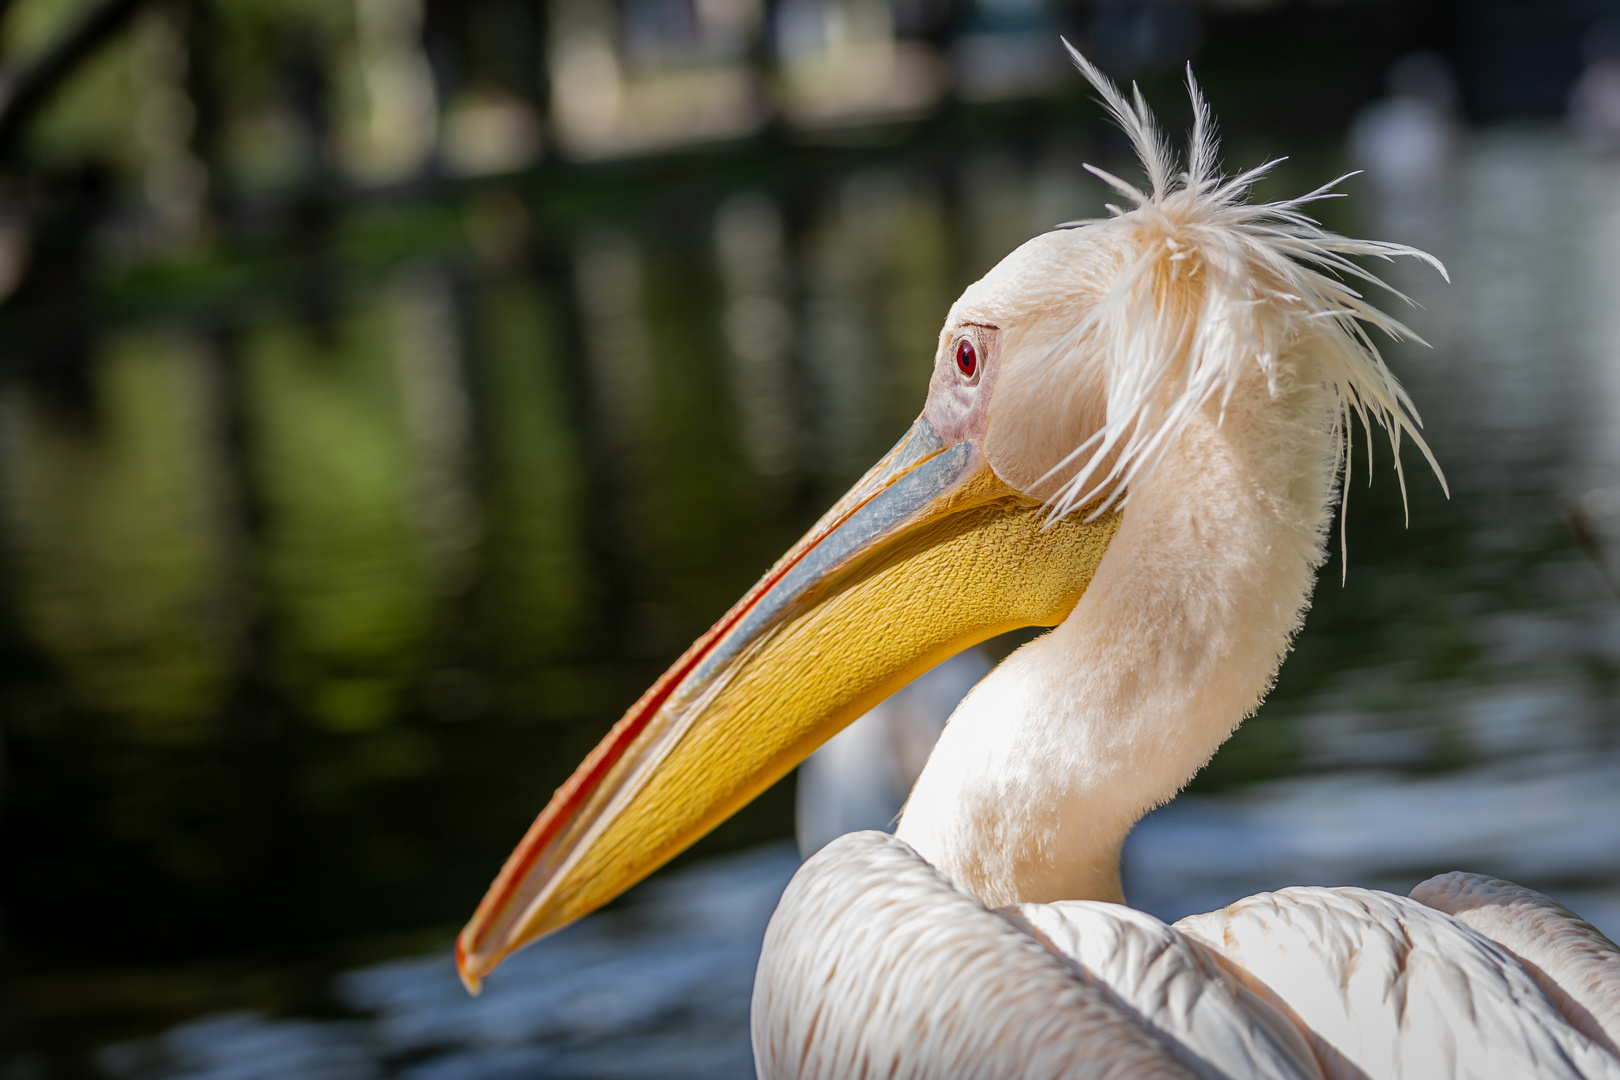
(1051, 760)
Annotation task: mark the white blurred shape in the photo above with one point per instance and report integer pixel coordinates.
(1013, 51)
(1405, 142)
(1596, 105)
(629, 79)
(1594, 100)
(841, 63)
(175, 180)
(402, 118)
(861, 777)
(490, 132)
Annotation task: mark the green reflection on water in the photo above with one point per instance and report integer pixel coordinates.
(347, 577)
(120, 569)
(534, 559)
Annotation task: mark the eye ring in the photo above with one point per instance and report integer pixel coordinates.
(967, 358)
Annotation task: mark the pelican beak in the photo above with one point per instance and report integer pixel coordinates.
(928, 554)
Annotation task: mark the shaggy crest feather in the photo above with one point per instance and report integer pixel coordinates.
(1214, 283)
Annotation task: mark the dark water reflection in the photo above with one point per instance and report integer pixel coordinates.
(313, 604)
(310, 613)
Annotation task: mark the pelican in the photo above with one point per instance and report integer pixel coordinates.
(1134, 434)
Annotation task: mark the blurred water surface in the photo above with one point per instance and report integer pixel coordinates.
(319, 578)
(309, 608)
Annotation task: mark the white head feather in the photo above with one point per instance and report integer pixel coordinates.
(1215, 284)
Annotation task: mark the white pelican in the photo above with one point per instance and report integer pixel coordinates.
(1133, 435)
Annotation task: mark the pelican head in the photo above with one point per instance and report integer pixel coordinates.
(1132, 433)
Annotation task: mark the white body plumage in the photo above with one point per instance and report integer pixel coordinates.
(877, 965)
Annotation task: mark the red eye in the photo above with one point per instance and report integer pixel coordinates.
(967, 358)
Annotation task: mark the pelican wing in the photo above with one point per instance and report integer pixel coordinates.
(1570, 959)
(876, 965)
(1400, 989)
(1180, 988)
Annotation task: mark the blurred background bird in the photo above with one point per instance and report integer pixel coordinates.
(861, 777)
(390, 389)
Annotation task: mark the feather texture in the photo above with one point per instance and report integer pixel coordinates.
(876, 965)
(1399, 989)
(1217, 285)
(1568, 957)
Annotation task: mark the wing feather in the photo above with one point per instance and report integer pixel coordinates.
(1178, 987)
(1401, 990)
(874, 965)
(1571, 960)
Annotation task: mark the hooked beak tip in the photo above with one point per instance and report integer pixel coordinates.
(473, 983)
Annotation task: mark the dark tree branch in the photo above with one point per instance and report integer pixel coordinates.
(23, 92)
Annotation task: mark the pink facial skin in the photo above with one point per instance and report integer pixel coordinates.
(958, 404)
